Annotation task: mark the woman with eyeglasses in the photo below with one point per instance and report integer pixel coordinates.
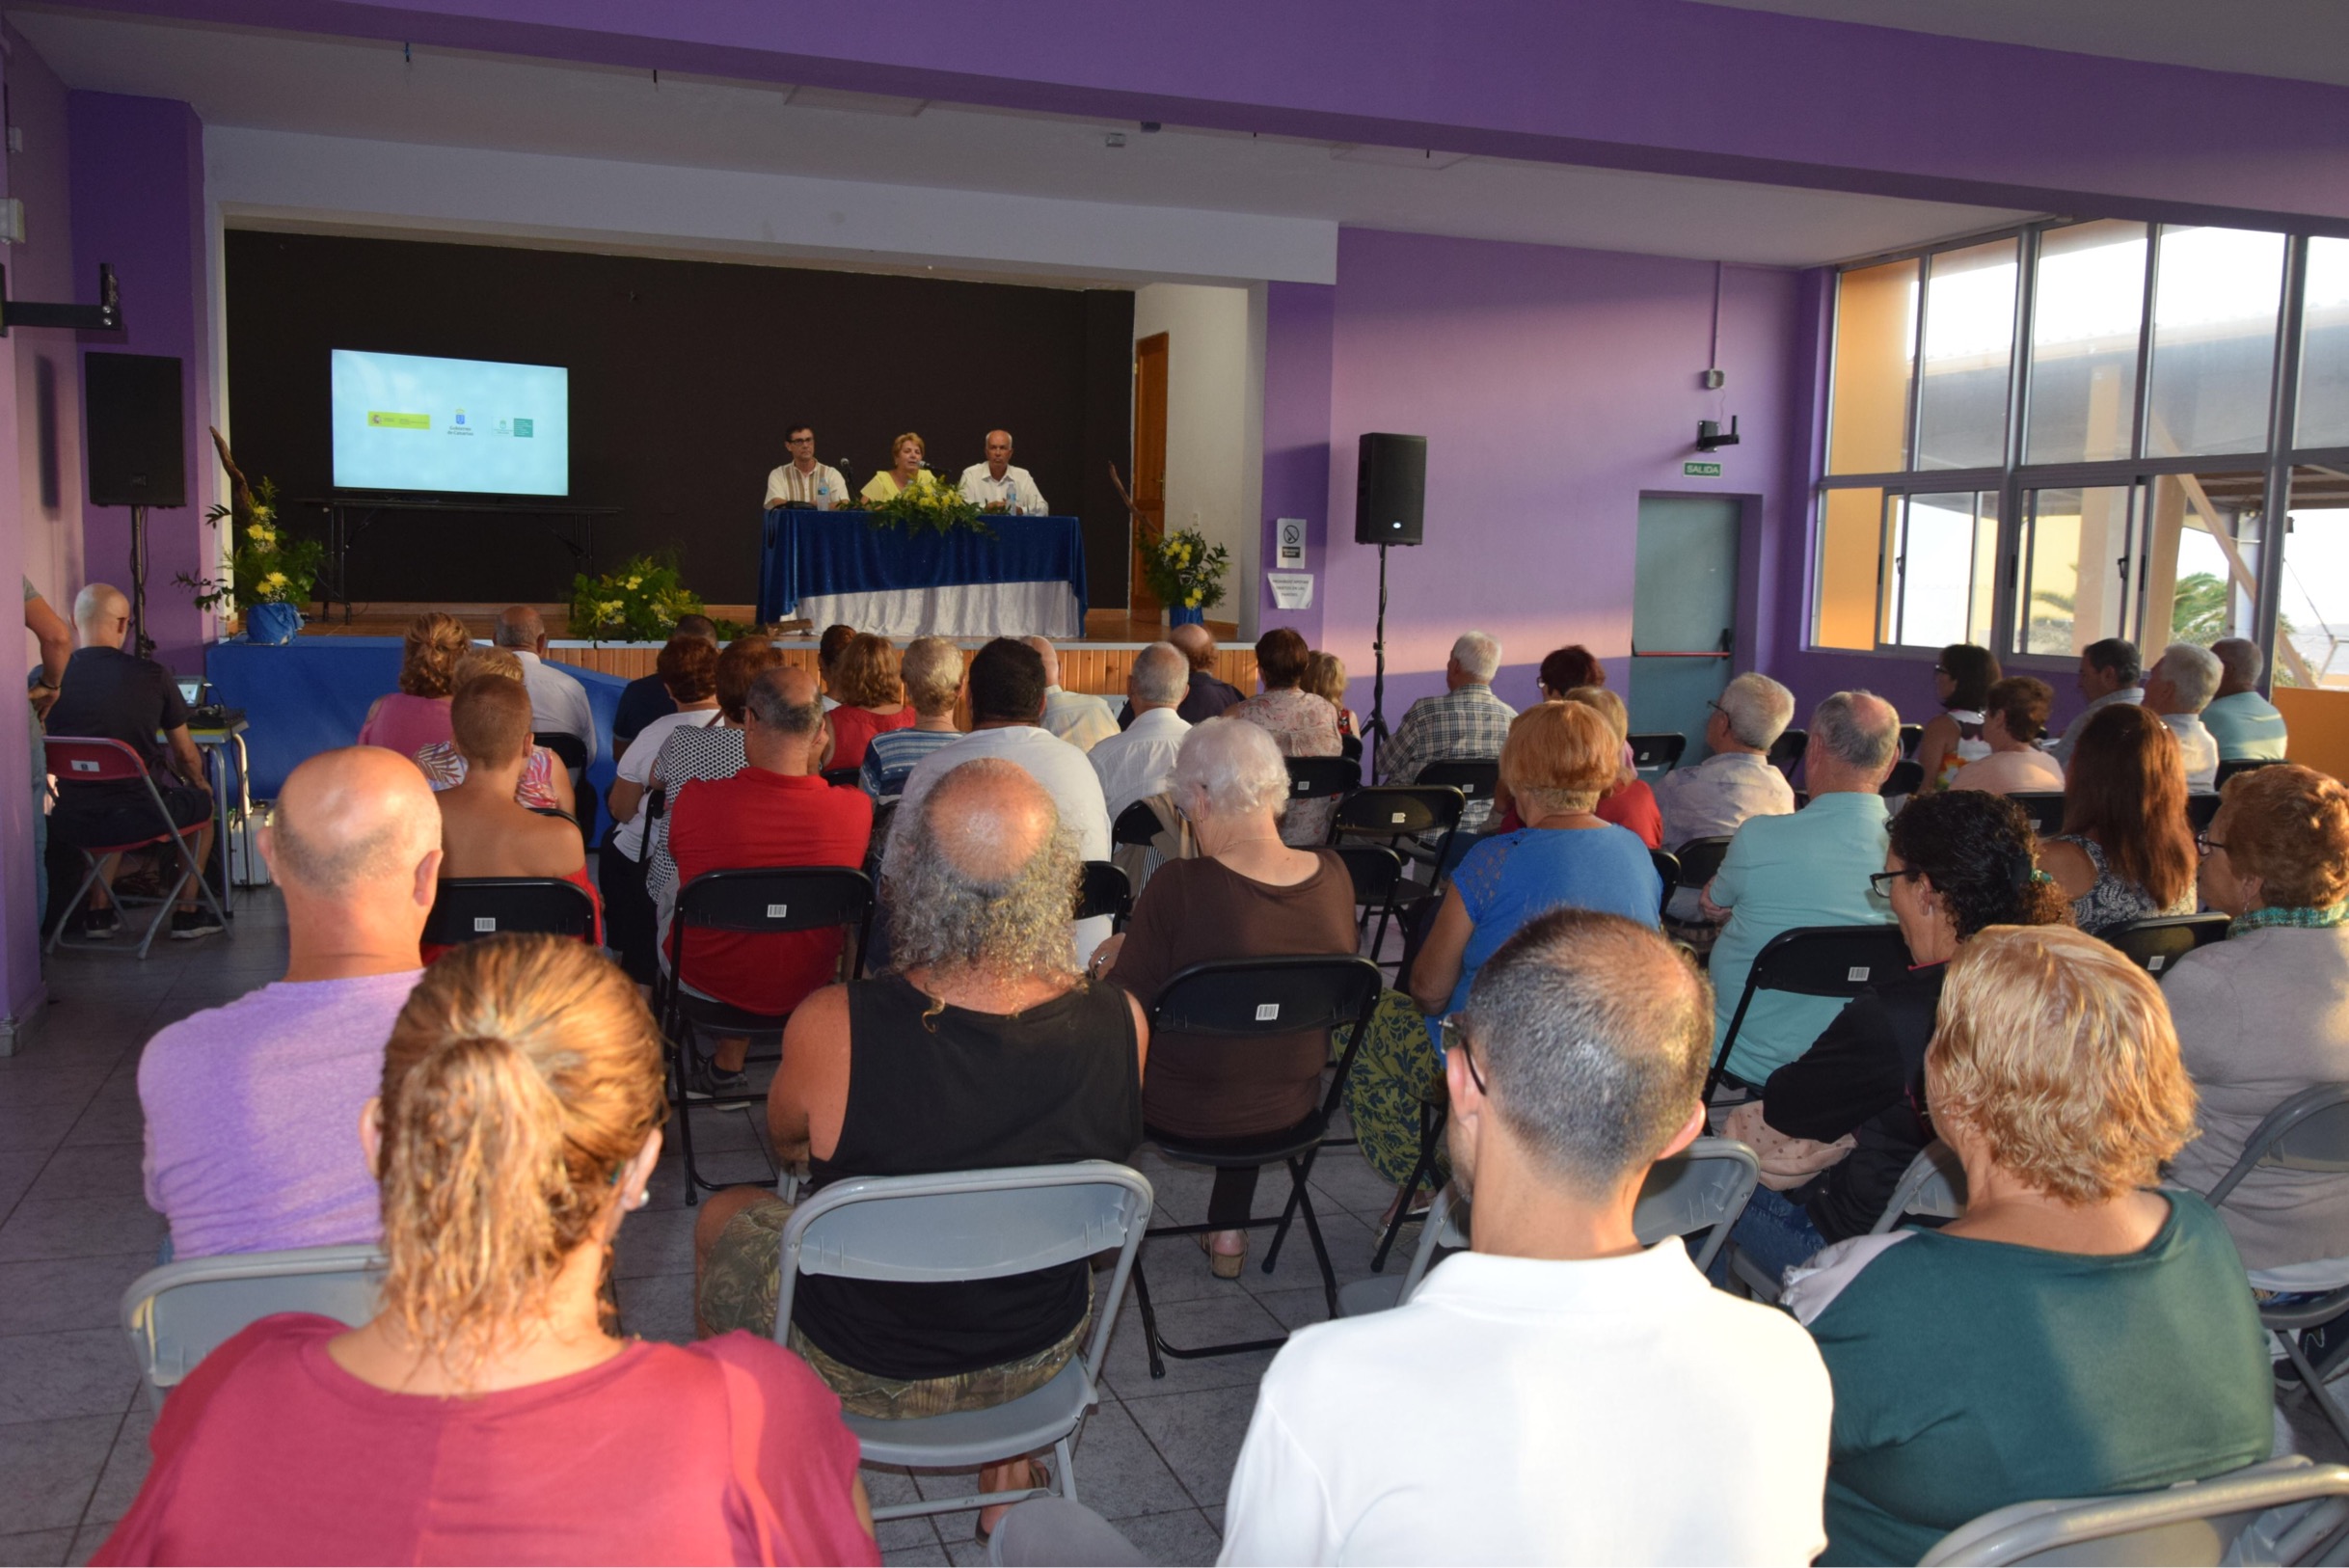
(2265, 1014)
(2126, 851)
(1837, 1125)
(1962, 678)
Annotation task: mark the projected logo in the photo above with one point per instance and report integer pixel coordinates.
(459, 427)
(381, 420)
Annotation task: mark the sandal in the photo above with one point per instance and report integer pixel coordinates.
(1040, 1479)
(1224, 1266)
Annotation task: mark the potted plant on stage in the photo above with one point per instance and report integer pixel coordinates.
(271, 574)
(1185, 574)
(639, 603)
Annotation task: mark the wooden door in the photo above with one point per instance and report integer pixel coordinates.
(1149, 460)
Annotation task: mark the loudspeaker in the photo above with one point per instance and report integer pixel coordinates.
(1390, 490)
(134, 423)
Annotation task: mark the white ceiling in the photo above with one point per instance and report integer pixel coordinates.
(2305, 40)
(279, 81)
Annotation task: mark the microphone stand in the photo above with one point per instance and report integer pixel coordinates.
(1374, 730)
(849, 497)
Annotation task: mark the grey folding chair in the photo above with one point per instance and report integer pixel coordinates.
(2307, 1132)
(2155, 944)
(1704, 1187)
(976, 1225)
(177, 1313)
(1933, 1185)
(1054, 1532)
(2280, 1511)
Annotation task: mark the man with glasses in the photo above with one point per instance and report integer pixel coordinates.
(1556, 1393)
(2110, 672)
(1714, 799)
(803, 481)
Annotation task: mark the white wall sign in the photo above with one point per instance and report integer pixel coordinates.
(1291, 590)
(1289, 537)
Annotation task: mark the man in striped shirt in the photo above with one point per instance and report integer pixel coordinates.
(803, 481)
(932, 673)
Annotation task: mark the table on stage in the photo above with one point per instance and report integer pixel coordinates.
(1025, 575)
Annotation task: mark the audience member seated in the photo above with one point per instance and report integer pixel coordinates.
(110, 695)
(2247, 726)
(2015, 719)
(2265, 1014)
(1006, 687)
(828, 648)
(688, 667)
(1628, 803)
(1467, 721)
(1325, 677)
(2179, 686)
(487, 1413)
(558, 702)
(645, 698)
(249, 1106)
(1078, 718)
(1565, 669)
(2109, 676)
(1962, 678)
(1559, 1393)
(485, 831)
(699, 752)
(1300, 723)
(1138, 762)
(417, 715)
(1714, 797)
(872, 698)
(932, 677)
(1209, 694)
(1020, 1061)
(1961, 860)
(1809, 869)
(2080, 1331)
(545, 784)
(775, 812)
(2126, 851)
(1247, 895)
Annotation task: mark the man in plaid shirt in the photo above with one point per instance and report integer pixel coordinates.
(1467, 721)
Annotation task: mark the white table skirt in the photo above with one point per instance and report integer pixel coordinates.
(978, 609)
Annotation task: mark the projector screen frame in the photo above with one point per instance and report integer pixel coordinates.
(485, 499)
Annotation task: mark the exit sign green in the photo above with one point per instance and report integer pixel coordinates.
(1701, 471)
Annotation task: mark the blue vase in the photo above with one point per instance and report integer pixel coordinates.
(1185, 615)
(272, 625)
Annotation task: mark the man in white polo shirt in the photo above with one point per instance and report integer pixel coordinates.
(1560, 1392)
(995, 482)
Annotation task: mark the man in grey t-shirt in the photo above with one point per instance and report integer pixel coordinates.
(253, 1108)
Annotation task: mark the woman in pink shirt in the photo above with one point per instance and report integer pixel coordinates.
(417, 715)
(488, 1413)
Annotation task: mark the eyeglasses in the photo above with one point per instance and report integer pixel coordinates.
(1880, 882)
(2203, 844)
(800, 441)
(1455, 1038)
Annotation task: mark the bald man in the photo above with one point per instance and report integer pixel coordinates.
(253, 1108)
(1078, 718)
(558, 702)
(115, 696)
(995, 482)
(1209, 695)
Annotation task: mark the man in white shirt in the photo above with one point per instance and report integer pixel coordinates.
(1078, 718)
(2178, 688)
(2247, 726)
(1138, 762)
(803, 481)
(1710, 800)
(558, 702)
(1560, 1392)
(2110, 670)
(995, 482)
(1007, 691)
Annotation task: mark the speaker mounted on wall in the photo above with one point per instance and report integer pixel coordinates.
(134, 419)
(1389, 489)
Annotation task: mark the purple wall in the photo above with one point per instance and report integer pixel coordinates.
(138, 202)
(1298, 324)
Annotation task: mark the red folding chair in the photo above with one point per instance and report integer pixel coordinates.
(95, 760)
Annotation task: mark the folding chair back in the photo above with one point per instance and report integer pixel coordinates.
(178, 1314)
(1396, 811)
(1933, 1185)
(2280, 1511)
(569, 750)
(2201, 807)
(1785, 751)
(1322, 778)
(92, 760)
(1137, 823)
(1907, 777)
(2307, 1132)
(772, 899)
(2241, 764)
(1267, 997)
(1912, 736)
(468, 909)
(2157, 942)
(1474, 777)
(1658, 753)
(2044, 808)
(842, 778)
(1375, 870)
(1102, 889)
(1700, 859)
(1667, 867)
(1815, 961)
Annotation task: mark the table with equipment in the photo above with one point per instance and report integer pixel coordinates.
(349, 516)
(1022, 575)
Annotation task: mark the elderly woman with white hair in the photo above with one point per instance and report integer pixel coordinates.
(1247, 895)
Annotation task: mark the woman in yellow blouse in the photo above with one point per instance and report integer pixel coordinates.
(906, 453)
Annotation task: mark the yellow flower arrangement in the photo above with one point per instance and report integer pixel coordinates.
(1183, 570)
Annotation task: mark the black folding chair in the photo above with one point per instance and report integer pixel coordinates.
(2202, 807)
(1912, 736)
(1474, 777)
(755, 902)
(1102, 889)
(1785, 751)
(1814, 961)
(1396, 815)
(1700, 859)
(1240, 1000)
(1322, 778)
(2242, 765)
(1656, 753)
(2157, 942)
(2044, 808)
(468, 909)
(1667, 866)
(99, 760)
(1376, 870)
(1136, 824)
(842, 778)
(569, 750)
(1907, 777)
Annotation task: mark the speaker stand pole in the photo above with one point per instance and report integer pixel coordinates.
(140, 642)
(1374, 733)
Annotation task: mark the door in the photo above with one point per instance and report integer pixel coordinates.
(1684, 614)
(1150, 461)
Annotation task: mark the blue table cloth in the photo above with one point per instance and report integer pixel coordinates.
(809, 555)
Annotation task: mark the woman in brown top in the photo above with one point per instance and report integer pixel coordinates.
(1248, 896)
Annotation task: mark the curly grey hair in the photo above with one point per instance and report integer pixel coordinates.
(1015, 922)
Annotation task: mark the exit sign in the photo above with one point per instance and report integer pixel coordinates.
(1701, 471)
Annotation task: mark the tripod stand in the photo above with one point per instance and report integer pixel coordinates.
(140, 642)
(1374, 730)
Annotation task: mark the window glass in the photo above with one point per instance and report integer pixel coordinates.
(1851, 543)
(2075, 545)
(2313, 625)
(2202, 550)
(2087, 306)
(2215, 296)
(2324, 352)
(1876, 331)
(1969, 346)
(1944, 555)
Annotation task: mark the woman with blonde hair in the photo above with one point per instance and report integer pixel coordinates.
(2082, 1329)
(1325, 677)
(1627, 803)
(905, 471)
(871, 693)
(488, 1412)
(545, 783)
(417, 715)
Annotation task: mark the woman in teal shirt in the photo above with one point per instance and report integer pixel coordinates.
(2080, 1331)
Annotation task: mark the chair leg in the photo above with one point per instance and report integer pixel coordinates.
(1289, 1210)
(2309, 1380)
(1313, 1233)
(72, 907)
(1149, 1318)
(678, 1036)
(1419, 1172)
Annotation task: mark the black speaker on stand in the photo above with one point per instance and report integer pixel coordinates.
(1390, 508)
(133, 418)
